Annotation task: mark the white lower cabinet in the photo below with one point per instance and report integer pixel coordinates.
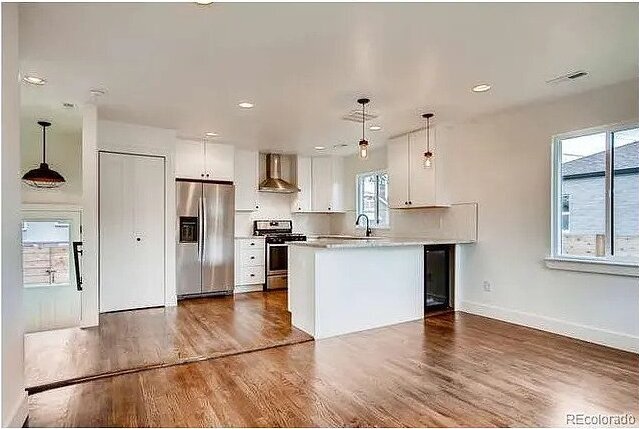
(250, 270)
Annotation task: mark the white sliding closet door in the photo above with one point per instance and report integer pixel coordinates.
(132, 231)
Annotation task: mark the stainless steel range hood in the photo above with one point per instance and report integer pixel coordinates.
(274, 181)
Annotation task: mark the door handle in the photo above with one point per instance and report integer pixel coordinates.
(76, 263)
(199, 229)
(203, 220)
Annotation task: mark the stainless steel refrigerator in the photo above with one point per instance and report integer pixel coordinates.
(205, 245)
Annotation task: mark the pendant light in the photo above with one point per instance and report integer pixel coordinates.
(428, 155)
(43, 176)
(363, 144)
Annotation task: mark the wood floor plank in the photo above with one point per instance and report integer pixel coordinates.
(125, 341)
(449, 370)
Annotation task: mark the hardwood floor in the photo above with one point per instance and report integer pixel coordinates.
(127, 341)
(449, 370)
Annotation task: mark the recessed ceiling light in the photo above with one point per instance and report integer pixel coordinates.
(34, 80)
(246, 105)
(375, 128)
(482, 87)
(339, 145)
(211, 134)
(320, 147)
(203, 3)
(68, 105)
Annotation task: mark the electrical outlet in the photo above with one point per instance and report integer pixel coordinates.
(486, 285)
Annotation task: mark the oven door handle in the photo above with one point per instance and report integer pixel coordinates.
(277, 245)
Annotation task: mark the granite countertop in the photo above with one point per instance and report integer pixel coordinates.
(345, 243)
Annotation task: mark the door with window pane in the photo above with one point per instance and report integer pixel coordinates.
(51, 298)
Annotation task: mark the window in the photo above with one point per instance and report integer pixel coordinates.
(46, 252)
(372, 198)
(596, 188)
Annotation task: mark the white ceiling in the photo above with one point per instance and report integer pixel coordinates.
(186, 66)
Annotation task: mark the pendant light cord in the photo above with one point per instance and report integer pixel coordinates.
(363, 120)
(427, 134)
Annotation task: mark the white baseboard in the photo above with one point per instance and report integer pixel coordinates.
(248, 288)
(591, 334)
(20, 414)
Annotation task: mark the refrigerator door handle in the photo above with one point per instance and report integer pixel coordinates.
(204, 228)
(200, 219)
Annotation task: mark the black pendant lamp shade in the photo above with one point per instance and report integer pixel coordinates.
(43, 176)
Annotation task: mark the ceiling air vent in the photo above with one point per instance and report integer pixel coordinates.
(355, 115)
(568, 76)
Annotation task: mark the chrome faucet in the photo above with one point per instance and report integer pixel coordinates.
(368, 229)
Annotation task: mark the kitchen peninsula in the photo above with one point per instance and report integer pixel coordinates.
(338, 286)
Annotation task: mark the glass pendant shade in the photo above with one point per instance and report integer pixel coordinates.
(363, 149)
(43, 177)
(428, 160)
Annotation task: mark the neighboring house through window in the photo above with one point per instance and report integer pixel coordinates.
(596, 194)
(372, 198)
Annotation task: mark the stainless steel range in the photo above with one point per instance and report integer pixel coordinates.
(277, 234)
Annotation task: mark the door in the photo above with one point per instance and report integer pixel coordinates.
(302, 200)
(189, 160)
(219, 162)
(218, 248)
(246, 177)
(131, 231)
(398, 171)
(188, 252)
(51, 296)
(437, 278)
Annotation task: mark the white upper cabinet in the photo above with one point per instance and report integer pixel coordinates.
(219, 162)
(398, 172)
(320, 180)
(302, 200)
(412, 185)
(208, 161)
(246, 180)
(189, 160)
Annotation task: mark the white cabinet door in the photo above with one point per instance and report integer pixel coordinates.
(131, 231)
(398, 172)
(246, 178)
(302, 201)
(189, 160)
(322, 184)
(219, 162)
(337, 188)
(422, 180)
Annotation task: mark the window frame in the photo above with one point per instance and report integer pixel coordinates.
(358, 176)
(556, 212)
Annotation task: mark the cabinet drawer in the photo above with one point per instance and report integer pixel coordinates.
(251, 257)
(250, 243)
(251, 275)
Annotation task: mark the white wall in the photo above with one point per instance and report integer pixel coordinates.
(14, 398)
(128, 138)
(278, 206)
(503, 162)
(64, 154)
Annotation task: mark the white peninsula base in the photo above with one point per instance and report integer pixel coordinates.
(335, 290)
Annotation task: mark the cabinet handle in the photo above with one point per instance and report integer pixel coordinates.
(207, 174)
(252, 244)
(257, 207)
(299, 208)
(252, 257)
(410, 202)
(252, 275)
(202, 175)
(138, 239)
(405, 203)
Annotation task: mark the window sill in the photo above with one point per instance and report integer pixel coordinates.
(592, 266)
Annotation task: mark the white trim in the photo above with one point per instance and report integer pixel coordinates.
(592, 266)
(590, 334)
(20, 413)
(248, 288)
